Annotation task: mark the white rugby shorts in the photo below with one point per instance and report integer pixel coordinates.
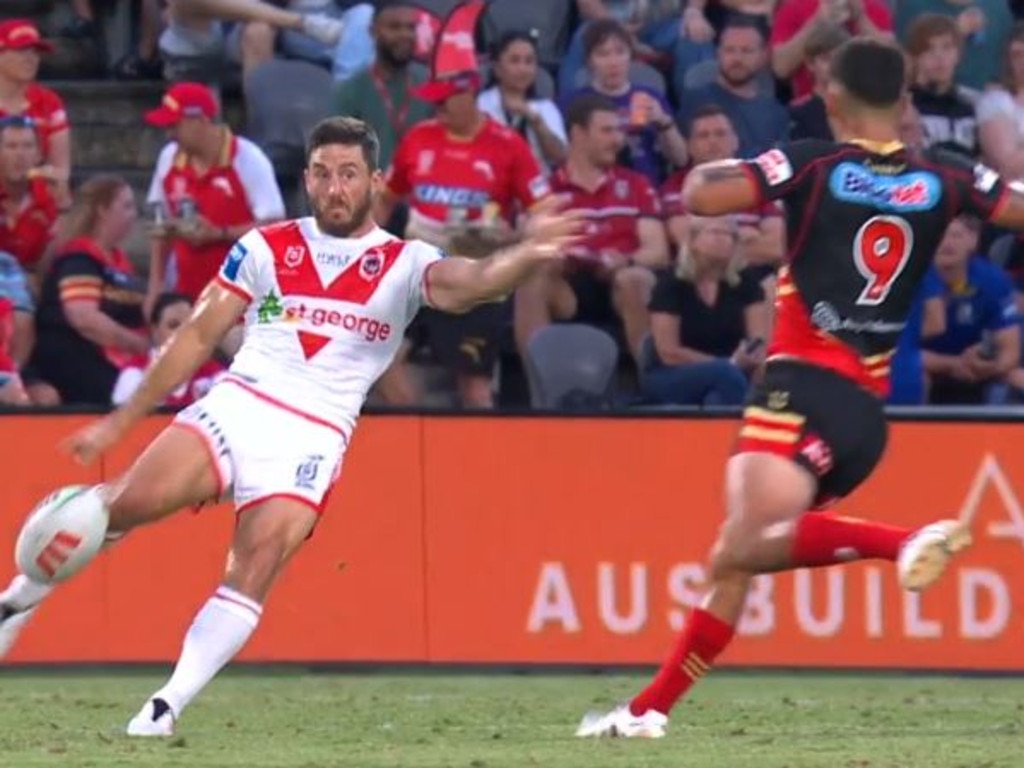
(263, 448)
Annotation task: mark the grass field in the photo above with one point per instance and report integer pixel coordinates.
(433, 721)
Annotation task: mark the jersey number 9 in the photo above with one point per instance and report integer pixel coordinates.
(881, 250)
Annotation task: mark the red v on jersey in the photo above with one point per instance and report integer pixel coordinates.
(297, 274)
(312, 343)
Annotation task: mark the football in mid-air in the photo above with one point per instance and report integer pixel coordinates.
(62, 534)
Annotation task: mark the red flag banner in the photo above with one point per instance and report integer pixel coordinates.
(456, 49)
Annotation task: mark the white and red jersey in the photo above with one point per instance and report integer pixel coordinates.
(240, 189)
(326, 315)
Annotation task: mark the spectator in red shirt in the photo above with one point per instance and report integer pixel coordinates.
(796, 20)
(462, 168)
(210, 188)
(28, 206)
(609, 275)
(169, 313)
(807, 119)
(761, 234)
(20, 94)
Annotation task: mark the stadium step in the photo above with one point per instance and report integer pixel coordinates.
(108, 129)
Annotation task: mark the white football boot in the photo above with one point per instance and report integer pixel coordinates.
(11, 624)
(17, 604)
(154, 719)
(925, 555)
(620, 723)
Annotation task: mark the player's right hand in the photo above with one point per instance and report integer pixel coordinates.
(92, 441)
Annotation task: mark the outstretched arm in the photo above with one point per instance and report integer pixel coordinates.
(458, 284)
(719, 188)
(216, 312)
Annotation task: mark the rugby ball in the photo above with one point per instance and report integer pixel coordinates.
(62, 534)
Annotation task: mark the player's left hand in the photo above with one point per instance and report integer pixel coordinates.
(92, 441)
(552, 229)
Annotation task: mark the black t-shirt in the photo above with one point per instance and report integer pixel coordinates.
(82, 371)
(712, 329)
(948, 121)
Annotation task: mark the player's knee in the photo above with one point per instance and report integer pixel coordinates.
(253, 565)
(732, 550)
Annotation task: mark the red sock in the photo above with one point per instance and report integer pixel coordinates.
(703, 638)
(825, 539)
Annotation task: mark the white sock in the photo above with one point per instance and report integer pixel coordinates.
(23, 593)
(218, 632)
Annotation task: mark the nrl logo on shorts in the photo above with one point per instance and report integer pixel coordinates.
(370, 264)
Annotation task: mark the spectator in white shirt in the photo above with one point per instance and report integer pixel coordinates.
(512, 98)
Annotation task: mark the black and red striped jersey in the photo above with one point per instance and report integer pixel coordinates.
(863, 222)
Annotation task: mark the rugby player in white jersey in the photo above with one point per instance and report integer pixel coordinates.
(326, 300)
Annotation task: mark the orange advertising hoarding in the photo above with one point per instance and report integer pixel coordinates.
(538, 540)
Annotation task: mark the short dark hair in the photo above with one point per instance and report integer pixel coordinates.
(871, 71)
(597, 32)
(927, 27)
(583, 107)
(386, 5)
(349, 132)
(745, 21)
(163, 301)
(18, 123)
(705, 111)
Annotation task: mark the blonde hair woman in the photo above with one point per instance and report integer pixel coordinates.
(708, 321)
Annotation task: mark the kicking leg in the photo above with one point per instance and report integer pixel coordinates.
(176, 471)
(268, 534)
(766, 530)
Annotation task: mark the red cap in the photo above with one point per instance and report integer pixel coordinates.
(20, 34)
(183, 100)
(440, 89)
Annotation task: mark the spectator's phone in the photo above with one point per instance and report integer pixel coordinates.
(753, 345)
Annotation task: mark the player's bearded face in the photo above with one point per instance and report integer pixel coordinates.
(340, 190)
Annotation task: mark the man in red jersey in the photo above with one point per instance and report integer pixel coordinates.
(864, 219)
(609, 277)
(20, 94)
(210, 185)
(28, 207)
(460, 169)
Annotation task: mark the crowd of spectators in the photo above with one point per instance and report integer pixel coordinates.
(612, 114)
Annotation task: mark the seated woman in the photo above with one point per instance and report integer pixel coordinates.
(512, 98)
(708, 322)
(89, 322)
(170, 312)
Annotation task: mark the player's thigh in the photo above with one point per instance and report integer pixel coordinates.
(851, 427)
(282, 487)
(177, 470)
